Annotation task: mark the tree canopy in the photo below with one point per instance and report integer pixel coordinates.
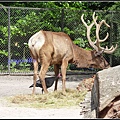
(81, 5)
(26, 18)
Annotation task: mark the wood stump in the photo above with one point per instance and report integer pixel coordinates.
(104, 101)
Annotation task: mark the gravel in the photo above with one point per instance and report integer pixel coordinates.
(14, 85)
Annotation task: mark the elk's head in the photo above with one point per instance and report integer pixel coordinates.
(97, 60)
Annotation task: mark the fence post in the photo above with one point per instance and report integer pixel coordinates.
(62, 20)
(111, 36)
(9, 42)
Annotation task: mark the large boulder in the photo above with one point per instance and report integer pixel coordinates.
(105, 89)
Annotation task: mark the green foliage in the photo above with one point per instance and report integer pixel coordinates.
(12, 65)
(3, 52)
(80, 42)
(24, 65)
(115, 6)
(81, 5)
(58, 16)
(68, 31)
(1, 67)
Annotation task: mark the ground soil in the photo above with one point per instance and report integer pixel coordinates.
(16, 85)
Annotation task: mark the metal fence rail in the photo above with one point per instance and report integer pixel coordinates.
(17, 25)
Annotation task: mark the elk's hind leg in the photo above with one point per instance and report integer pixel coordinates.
(63, 71)
(35, 64)
(43, 70)
(56, 70)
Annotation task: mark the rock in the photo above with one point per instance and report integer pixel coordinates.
(105, 89)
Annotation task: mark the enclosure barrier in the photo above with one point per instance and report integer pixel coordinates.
(18, 24)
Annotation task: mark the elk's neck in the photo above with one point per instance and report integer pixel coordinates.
(82, 56)
(80, 53)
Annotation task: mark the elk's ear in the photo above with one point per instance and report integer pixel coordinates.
(98, 53)
(95, 53)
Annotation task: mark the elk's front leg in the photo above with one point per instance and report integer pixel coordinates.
(63, 71)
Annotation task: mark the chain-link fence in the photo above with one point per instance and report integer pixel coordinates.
(17, 25)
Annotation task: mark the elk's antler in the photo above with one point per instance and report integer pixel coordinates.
(96, 44)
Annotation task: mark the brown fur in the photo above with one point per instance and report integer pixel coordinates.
(59, 50)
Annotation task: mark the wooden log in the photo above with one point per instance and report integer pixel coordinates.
(106, 88)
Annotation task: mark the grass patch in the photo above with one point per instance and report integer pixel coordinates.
(56, 99)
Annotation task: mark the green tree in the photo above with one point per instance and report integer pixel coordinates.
(54, 16)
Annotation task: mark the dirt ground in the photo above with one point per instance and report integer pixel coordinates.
(14, 85)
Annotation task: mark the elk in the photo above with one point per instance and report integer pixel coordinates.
(57, 49)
